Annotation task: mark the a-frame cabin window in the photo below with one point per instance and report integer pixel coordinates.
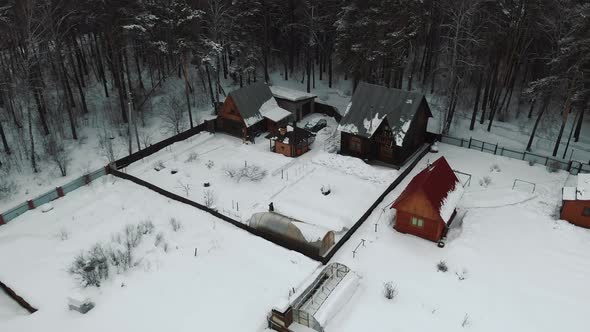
(417, 222)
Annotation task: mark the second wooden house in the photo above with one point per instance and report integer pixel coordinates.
(250, 111)
(384, 124)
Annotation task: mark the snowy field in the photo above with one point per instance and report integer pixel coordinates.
(167, 289)
(521, 269)
(292, 184)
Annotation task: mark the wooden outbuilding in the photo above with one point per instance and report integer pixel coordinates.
(297, 102)
(384, 124)
(251, 110)
(576, 202)
(291, 141)
(427, 206)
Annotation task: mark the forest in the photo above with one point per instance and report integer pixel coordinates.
(62, 60)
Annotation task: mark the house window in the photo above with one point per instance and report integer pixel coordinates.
(586, 212)
(417, 222)
(355, 144)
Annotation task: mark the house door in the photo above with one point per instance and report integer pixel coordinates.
(384, 152)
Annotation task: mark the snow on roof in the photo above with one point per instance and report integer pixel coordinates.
(350, 128)
(583, 189)
(290, 94)
(569, 193)
(272, 111)
(400, 133)
(451, 201)
(338, 298)
(312, 233)
(372, 124)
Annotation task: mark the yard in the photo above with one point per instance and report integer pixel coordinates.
(184, 280)
(511, 264)
(246, 178)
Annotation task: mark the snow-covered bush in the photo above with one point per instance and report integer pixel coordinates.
(209, 198)
(532, 162)
(159, 239)
(63, 234)
(159, 165)
(7, 187)
(175, 224)
(252, 173)
(192, 157)
(553, 166)
(210, 164)
(442, 266)
(495, 168)
(461, 275)
(389, 290)
(485, 181)
(185, 187)
(466, 321)
(326, 190)
(146, 227)
(91, 268)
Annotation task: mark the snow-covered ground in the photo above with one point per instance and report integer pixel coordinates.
(234, 273)
(292, 184)
(522, 269)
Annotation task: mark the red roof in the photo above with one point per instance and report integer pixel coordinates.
(436, 181)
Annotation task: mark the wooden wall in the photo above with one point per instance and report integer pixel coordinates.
(417, 205)
(572, 212)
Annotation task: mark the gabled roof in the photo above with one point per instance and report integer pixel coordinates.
(251, 98)
(371, 104)
(440, 186)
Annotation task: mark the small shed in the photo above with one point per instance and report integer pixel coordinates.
(294, 233)
(576, 202)
(384, 124)
(297, 102)
(291, 141)
(427, 206)
(251, 110)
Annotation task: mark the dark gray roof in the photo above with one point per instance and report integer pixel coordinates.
(249, 99)
(372, 103)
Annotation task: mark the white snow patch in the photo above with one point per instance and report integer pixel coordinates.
(347, 108)
(583, 190)
(350, 128)
(253, 120)
(290, 94)
(311, 233)
(372, 124)
(46, 207)
(451, 201)
(569, 193)
(400, 135)
(272, 111)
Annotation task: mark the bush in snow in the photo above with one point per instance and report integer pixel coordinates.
(389, 290)
(442, 266)
(193, 156)
(146, 227)
(466, 321)
(553, 166)
(461, 275)
(63, 234)
(252, 173)
(175, 224)
(185, 187)
(495, 168)
(532, 163)
(7, 187)
(209, 198)
(326, 190)
(210, 164)
(91, 268)
(159, 239)
(485, 181)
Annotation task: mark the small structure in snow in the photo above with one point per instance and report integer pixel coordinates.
(427, 206)
(384, 124)
(576, 202)
(293, 233)
(291, 141)
(251, 110)
(434, 147)
(297, 102)
(81, 305)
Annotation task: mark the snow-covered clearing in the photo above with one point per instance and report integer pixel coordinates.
(234, 273)
(522, 270)
(293, 185)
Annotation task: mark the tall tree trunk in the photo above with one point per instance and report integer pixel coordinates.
(186, 88)
(211, 86)
(532, 107)
(80, 87)
(4, 140)
(330, 70)
(476, 105)
(32, 138)
(537, 121)
(101, 68)
(580, 121)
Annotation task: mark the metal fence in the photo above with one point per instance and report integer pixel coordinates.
(572, 166)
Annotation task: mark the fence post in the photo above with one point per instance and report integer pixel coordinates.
(502, 151)
(546, 160)
(30, 204)
(60, 192)
(87, 179)
(523, 155)
(496, 149)
(2, 222)
(482, 144)
(469, 147)
(461, 142)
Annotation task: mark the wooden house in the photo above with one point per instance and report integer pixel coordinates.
(291, 141)
(427, 206)
(384, 124)
(297, 102)
(251, 110)
(576, 202)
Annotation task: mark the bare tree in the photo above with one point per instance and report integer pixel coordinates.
(172, 115)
